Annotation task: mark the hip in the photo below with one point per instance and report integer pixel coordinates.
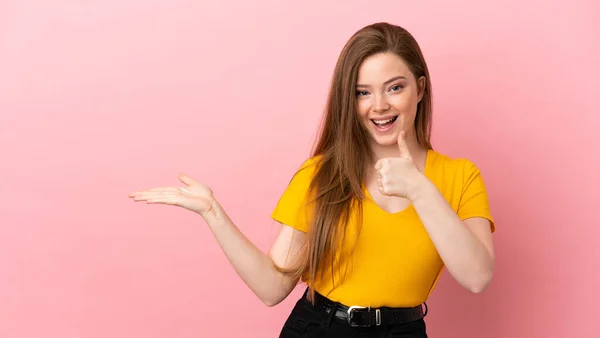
(326, 318)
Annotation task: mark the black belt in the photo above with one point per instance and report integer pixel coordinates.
(359, 316)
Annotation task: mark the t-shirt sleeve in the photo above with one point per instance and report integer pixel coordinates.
(293, 208)
(474, 199)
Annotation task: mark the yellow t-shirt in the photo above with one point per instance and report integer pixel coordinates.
(392, 262)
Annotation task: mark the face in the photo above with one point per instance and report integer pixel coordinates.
(387, 95)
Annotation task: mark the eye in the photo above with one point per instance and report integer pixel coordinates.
(361, 93)
(396, 88)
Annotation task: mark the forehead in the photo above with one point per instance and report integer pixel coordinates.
(380, 67)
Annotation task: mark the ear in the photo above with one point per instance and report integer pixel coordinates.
(421, 83)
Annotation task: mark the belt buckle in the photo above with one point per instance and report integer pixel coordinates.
(353, 308)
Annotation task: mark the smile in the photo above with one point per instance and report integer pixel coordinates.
(384, 123)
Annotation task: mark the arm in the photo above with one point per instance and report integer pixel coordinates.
(256, 268)
(465, 247)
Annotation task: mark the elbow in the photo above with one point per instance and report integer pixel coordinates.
(481, 283)
(275, 294)
(270, 302)
(479, 288)
(481, 278)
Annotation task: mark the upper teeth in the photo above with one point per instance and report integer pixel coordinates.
(383, 121)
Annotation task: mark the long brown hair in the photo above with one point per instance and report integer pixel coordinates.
(343, 145)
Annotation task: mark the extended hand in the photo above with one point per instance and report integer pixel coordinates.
(194, 196)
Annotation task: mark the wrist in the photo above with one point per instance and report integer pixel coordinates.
(213, 213)
(421, 188)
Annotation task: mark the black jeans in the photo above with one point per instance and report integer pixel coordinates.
(308, 322)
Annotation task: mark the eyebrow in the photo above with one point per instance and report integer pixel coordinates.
(386, 82)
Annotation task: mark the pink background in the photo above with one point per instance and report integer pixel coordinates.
(100, 98)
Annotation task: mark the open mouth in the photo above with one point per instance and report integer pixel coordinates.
(384, 123)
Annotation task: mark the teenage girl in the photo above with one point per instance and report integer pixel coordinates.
(373, 216)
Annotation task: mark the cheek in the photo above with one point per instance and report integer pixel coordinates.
(405, 103)
(362, 107)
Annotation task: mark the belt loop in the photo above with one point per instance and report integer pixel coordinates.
(305, 296)
(334, 308)
(426, 309)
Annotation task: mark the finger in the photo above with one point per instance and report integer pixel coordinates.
(163, 189)
(401, 121)
(382, 190)
(404, 152)
(187, 180)
(402, 145)
(170, 199)
(155, 193)
(163, 200)
(381, 165)
(378, 165)
(150, 195)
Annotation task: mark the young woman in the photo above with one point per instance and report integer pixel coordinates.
(372, 218)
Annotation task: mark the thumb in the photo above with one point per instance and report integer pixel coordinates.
(404, 152)
(187, 180)
(402, 138)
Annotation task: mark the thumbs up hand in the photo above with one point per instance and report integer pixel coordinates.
(398, 176)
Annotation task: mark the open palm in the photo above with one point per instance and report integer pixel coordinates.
(194, 196)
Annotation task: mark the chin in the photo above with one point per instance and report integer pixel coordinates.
(385, 141)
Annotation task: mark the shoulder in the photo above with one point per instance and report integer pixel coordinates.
(301, 179)
(291, 208)
(462, 184)
(444, 167)
(311, 163)
(307, 169)
(445, 163)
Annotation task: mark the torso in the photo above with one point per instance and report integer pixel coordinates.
(389, 260)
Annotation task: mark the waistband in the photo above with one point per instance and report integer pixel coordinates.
(364, 316)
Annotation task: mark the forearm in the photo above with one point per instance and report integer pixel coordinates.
(254, 267)
(464, 255)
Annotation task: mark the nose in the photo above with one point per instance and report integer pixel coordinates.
(380, 104)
